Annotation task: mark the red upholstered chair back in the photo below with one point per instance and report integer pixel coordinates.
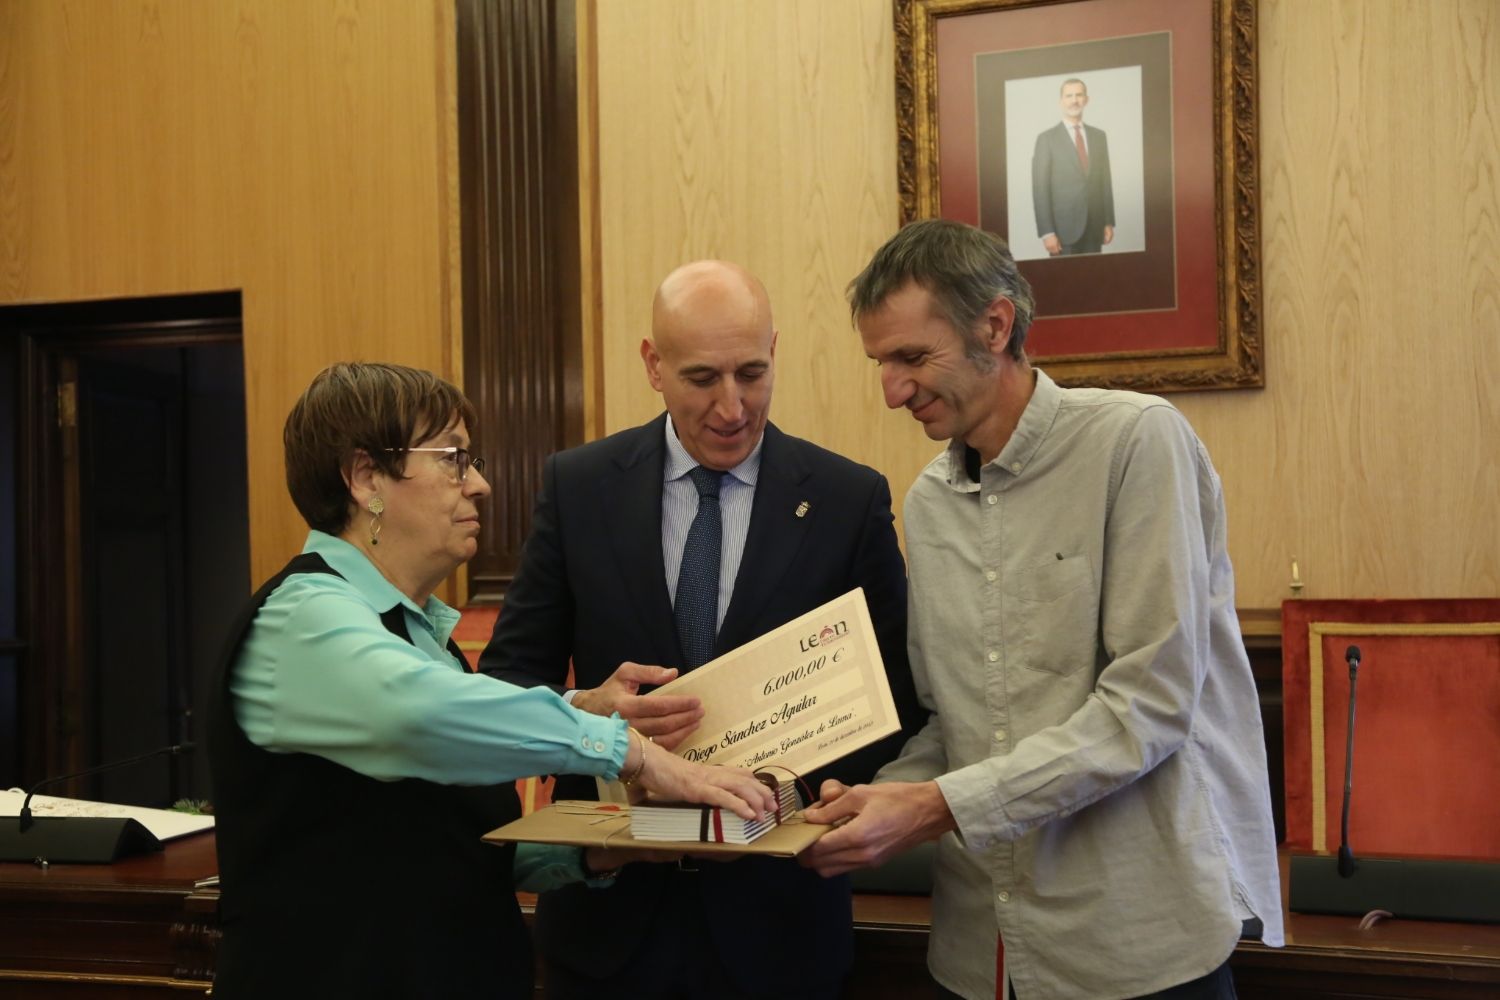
(1427, 726)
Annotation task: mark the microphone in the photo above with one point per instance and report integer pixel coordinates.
(26, 819)
(1347, 864)
(47, 839)
(1404, 885)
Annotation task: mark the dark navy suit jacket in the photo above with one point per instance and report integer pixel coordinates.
(592, 587)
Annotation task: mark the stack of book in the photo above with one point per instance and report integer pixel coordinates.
(689, 822)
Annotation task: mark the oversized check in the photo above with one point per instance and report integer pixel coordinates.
(798, 697)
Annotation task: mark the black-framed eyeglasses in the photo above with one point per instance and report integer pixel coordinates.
(457, 459)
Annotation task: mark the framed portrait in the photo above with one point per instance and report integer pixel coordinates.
(1113, 145)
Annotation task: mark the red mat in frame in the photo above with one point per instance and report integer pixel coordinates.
(1427, 730)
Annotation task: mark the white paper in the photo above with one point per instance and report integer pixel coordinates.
(164, 824)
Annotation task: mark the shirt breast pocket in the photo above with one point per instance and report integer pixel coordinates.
(1053, 616)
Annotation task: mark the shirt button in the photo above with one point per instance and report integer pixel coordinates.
(1000, 736)
(585, 742)
(993, 656)
(1015, 467)
(992, 499)
(1004, 897)
(598, 746)
(989, 575)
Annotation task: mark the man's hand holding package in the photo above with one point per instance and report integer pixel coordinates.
(875, 823)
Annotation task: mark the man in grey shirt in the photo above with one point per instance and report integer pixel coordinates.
(1093, 767)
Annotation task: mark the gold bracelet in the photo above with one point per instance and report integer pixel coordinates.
(641, 767)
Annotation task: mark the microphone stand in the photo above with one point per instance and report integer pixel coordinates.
(1347, 865)
(85, 839)
(1415, 887)
(26, 819)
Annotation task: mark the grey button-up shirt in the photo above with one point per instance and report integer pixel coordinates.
(1095, 726)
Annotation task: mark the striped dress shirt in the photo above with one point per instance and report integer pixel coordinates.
(679, 505)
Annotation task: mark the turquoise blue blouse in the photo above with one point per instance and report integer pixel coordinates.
(318, 673)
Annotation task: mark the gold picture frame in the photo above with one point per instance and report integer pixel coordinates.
(1163, 313)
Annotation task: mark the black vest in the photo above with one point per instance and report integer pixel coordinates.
(335, 884)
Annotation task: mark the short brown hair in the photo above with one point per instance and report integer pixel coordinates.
(964, 268)
(352, 407)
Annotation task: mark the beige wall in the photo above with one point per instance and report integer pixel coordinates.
(299, 151)
(302, 152)
(763, 131)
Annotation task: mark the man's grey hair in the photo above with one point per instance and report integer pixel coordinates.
(964, 268)
(1072, 79)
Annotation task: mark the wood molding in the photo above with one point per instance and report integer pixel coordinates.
(522, 313)
(1260, 624)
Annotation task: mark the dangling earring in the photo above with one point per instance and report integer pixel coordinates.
(376, 507)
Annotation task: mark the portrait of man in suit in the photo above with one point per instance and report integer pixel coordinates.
(1072, 191)
(653, 550)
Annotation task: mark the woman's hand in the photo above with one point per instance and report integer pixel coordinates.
(670, 777)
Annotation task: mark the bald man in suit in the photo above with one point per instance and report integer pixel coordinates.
(599, 578)
(1071, 189)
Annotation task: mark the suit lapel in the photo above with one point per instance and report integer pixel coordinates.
(775, 535)
(631, 498)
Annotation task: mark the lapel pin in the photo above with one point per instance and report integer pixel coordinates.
(803, 508)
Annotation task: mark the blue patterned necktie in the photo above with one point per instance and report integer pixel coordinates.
(697, 608)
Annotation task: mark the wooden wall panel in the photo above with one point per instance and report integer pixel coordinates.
(1373, 455)
(300, 152)
(764, 131)
(761, 132)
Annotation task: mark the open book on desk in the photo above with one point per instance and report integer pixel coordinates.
(164, 824)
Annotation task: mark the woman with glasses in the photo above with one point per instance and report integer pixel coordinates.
(356, 761)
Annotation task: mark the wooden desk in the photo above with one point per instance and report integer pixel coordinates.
(138, 930)
(134, 929)
(1324, 957)
(1331, 957)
